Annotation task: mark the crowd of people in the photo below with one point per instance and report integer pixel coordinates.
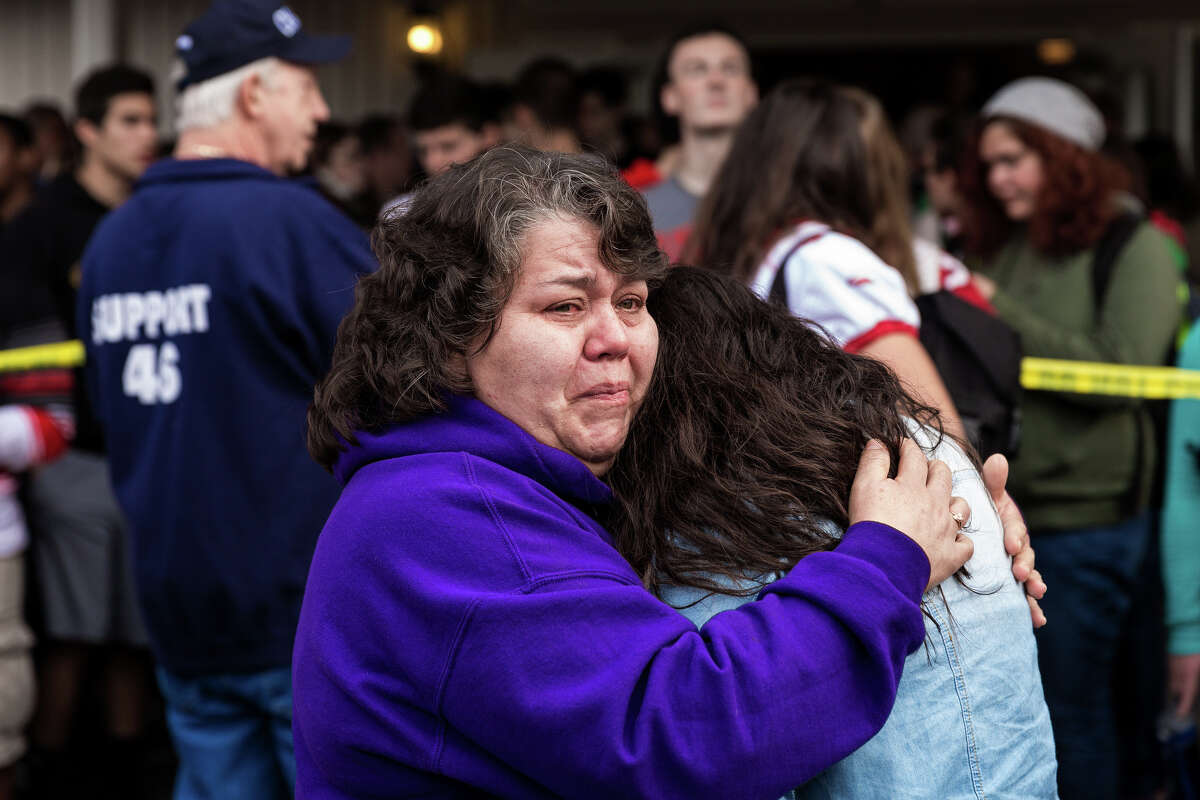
(516, 445)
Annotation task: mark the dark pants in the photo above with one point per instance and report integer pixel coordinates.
(1140, 680)
(1091, 575)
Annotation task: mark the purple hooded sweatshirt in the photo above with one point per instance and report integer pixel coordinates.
(468, 629)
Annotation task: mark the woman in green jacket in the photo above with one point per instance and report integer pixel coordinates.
(1042, 200)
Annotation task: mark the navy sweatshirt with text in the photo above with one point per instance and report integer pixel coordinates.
(209, 306)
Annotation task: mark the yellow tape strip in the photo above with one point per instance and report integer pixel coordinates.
(59, 354)
(1037, 374)
(1088, 377)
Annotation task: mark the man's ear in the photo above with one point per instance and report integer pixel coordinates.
(668, 98)
(249, 100)
(87, 132)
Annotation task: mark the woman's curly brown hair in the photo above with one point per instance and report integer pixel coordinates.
(749, 437)
(448, 264)
(1074, 207)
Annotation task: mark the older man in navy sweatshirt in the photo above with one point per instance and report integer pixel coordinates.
(209, 306)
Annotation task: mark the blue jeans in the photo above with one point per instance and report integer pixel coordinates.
(233, 734)
(1090, 574)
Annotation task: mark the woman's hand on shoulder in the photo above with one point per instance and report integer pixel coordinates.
(916, 502)
(1016, 535)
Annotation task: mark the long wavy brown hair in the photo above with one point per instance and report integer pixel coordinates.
(748, 439)
(1075, 204)
(810, 150)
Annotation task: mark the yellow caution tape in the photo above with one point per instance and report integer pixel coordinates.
(1037, 374)
(59, 354)
(1123, 380)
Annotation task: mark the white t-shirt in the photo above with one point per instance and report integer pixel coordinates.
(838, 283)
(937, 269)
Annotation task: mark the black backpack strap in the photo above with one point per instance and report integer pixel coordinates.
(778, 293)
(1104, 262)
(778, 286)
(1107, 250)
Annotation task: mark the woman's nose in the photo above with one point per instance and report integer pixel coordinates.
(608, 336)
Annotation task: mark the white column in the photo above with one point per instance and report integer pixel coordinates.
(93, 35)
(1137, 103)
(1185, 93)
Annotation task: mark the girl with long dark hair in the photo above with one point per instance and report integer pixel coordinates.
(740, 464)
(802, 212)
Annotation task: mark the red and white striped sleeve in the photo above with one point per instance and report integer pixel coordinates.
(29, 436)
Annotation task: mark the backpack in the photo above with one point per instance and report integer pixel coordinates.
(978, 356)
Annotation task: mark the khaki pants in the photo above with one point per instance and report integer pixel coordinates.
(16, 665)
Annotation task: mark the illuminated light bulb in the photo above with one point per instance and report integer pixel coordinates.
(425, 39)
(1056, 51)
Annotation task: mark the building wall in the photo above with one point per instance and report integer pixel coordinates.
(35, 47)
(35, 50)
(494, 38)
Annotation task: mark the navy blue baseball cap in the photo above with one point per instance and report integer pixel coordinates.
(233, 33)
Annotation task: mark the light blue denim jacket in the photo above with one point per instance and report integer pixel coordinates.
(970, 721)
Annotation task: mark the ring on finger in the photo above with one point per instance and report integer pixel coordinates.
(959, 519)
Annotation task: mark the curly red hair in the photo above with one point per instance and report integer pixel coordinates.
(1075, 204)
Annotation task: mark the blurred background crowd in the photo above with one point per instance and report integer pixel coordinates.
(665, 92)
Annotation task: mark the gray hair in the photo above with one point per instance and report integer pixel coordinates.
(211, 102)
(448, 265)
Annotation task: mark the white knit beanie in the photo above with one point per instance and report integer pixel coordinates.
(1051, 104)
